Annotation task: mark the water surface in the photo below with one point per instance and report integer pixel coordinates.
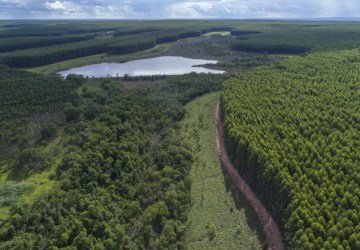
(165, 65)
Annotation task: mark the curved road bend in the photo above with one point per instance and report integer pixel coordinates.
(270, 228)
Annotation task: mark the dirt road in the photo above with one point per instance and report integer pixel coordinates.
(270, 228)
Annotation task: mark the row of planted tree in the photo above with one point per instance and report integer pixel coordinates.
(70, 47)
(293, 132)
(39, 44)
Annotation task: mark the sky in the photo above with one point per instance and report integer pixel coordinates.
(165, 9)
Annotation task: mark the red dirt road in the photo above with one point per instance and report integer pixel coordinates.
(270, 228)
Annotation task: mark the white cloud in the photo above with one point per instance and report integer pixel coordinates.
(124, 11)
(190, 9)
(178, 8)
(10, 1)
(15, 3)
(331, 8)
(62, 6)
(242, 9)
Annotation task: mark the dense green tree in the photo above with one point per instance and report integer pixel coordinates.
(122, 181)
(291, 130)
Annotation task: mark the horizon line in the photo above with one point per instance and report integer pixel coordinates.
(191, 19)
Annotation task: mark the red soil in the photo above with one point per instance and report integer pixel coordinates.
(270, 228)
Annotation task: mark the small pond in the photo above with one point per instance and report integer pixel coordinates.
(165, 65)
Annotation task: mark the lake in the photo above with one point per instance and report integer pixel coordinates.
(165, 65)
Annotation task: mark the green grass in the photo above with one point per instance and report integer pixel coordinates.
(25, 191)
(219, 217)
(29, 189)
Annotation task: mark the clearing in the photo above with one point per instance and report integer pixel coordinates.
(219, 218)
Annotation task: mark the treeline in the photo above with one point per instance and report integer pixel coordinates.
(189, 85)
(19, 43)
(25, 52)
(55, 29)
(244, 32)
(123, 182)
(52, 54)
(293, 131)
(129, 37)
(149, 40)
(131, 45)
(126, 32)
(296, 38)
(271, 48)
(119, 45)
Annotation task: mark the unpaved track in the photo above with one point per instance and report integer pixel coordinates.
(270, 228)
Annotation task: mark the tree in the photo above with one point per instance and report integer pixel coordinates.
(77, 79)
(72, 113)
(48, 131)
(212, 231)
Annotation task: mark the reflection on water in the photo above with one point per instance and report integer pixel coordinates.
(165, 65)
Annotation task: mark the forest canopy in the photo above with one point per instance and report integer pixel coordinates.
(122, 180)
(293, 130)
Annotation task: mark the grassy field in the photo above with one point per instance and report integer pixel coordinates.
(26, 190)
(219, 217)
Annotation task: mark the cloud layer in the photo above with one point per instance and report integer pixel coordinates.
(162, 9)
